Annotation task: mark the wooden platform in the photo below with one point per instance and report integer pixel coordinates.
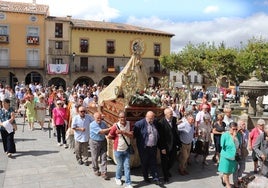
(111, 109)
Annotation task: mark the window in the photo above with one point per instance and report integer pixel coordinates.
(58, 45)
(84, 45)
(33, 31)
(33, 35)
(33, 58)
(157, 49)
(58, 30)
(110, 65)
(189, 78)
(156, 66)
(4, 34)
(2, 16)
(83, 64)
(174, 78)
(3, 30)
(195, 79)
(57, 61)
(4, 57)
(110, 62)
(110, 47)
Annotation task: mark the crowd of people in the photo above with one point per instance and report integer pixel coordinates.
(186, 128)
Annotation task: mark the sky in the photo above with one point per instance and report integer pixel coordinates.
(210, 21)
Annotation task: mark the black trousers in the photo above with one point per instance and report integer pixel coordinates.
(149, 162)
(8, 141)
(167, 161)
(61, 133)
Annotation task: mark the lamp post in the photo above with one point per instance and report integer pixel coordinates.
(73, 55)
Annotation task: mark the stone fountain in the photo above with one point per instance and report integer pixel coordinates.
(253, 88)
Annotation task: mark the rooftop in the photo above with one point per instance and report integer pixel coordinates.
(30, 8)
(77, 23)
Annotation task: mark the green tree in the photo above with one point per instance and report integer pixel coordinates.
(254, 57)
(185, 61)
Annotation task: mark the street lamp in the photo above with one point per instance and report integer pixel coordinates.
(73, 55)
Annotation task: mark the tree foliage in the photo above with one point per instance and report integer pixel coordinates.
(213, 62)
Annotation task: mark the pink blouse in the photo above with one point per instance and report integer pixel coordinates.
(59, 115)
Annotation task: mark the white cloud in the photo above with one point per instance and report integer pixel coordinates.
(265, 2)
(211, 9)
(94, 10)
(231, 31)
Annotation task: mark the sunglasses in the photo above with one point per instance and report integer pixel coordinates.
(82, 111)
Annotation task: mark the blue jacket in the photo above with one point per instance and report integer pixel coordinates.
(141, 133)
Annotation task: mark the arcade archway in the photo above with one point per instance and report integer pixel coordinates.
(33, 77)
(106, 80)
(84, 80)
(59, 82)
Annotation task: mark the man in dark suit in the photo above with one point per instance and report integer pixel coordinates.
(168, 141)
(147, 136)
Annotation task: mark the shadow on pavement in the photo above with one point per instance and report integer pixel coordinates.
(33, 153)
(24, 139)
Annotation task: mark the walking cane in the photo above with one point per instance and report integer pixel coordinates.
(23, 125)
(49, 131)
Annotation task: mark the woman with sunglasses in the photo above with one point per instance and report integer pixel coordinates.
(59, 118)
(229, 145)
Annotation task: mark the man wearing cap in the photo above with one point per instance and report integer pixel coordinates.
(253, 135)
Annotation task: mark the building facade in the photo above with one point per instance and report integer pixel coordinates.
(22, 42)
(37, 47)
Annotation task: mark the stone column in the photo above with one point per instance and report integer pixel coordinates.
(252, 105)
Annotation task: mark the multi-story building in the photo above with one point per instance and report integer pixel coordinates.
(196, 80)
(101, 49)
(22, 42)
(58, 51)
(63, 51)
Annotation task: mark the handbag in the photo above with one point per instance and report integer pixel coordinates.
(130, 147)
(69, 133)
(237, 157)
(244, 151)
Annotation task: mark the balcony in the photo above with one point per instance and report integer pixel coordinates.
(58, 34)
(60, 52)
(113, 70)
(32, 40)
(84, 68)
(154, 71)
(110, 50)
(4, 39)
(22, 64)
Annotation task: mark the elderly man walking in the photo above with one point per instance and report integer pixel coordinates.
(146, 138)
(186, 133)
(80, 125)
(98, 145)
